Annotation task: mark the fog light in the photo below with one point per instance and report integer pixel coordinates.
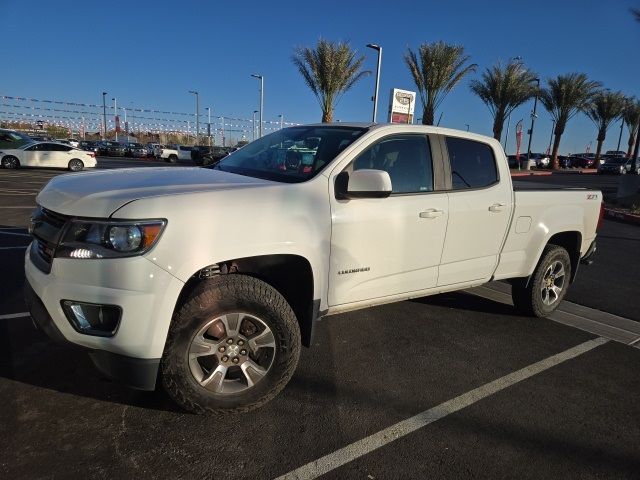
(91, 318)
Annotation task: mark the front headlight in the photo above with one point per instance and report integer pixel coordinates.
(109, 239)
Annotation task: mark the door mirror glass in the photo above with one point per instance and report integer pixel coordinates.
(366, 183)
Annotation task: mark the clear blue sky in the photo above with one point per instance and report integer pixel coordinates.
(150, 54)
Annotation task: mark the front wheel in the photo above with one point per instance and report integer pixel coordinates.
(172, 159)
(75, 165)
(547, 286)
(232, 346)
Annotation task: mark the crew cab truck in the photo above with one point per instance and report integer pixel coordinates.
(209, 280)
(173, 153)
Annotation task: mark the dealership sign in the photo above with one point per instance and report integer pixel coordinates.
(401, 106)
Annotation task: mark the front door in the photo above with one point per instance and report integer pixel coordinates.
(34, 156)
(389, 246)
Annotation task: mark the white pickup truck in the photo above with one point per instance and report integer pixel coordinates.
(210, 279)
(173, 153)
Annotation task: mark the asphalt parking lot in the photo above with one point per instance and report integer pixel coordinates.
(450, 386)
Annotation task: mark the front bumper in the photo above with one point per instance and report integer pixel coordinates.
(146, 293)
(139, 373)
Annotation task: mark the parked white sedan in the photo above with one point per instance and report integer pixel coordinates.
(47, 155)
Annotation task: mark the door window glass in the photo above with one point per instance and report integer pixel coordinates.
(407, 159)
(473, 164)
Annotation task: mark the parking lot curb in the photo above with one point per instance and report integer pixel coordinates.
(581, 171)
(622, 217)
(529, 174)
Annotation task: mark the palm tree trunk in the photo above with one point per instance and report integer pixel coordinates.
(598, 150)
(327, 116)
(602, 135)
(498, 123)
(427, 115)
(554, 152)
(630, 144)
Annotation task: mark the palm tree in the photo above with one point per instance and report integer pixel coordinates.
(565, 96)
(436, 69)
(329, 70)
(605, 108)
(631, 116)
(504, 89)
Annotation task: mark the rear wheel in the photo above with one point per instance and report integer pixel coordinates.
(10, 162)
(232, 346)
(75, 165)
(546, 287)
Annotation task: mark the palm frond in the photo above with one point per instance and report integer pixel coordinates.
(436, 69)
(329, 70)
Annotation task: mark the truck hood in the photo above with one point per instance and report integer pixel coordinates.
(100, 193)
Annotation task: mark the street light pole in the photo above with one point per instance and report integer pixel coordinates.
(197, 114)
(533, 121)
(506, 137)
(126, 129)
(104, 116)
(281, 121)
(115, 115)
(378, 48)
(261, 78)
(620, 137)
(209, 125)
(254, 123)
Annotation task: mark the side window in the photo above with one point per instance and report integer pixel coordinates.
(56, 147)
(473, 164)
(36, 147)
(407, 159)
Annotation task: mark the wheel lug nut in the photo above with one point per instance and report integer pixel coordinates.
(243, 352)
(230, 341)
(225, 358)
(235, 360)
(240, 342)
(222, 349)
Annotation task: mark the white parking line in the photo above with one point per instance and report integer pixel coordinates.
(14, 234)
(15, 315)
(14, 248)
(394, 432)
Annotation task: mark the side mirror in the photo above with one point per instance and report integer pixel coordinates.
(363, 184)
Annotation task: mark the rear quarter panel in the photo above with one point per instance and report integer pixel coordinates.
(538, 215)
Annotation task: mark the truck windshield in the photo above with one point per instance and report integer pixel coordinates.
(292, 154)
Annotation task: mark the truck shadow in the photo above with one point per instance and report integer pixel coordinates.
(469, 302)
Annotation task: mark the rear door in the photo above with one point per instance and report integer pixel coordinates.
(480, 208)
(56, 155)
(382, 247)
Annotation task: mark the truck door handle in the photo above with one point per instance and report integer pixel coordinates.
(497, 207)
(432, 213)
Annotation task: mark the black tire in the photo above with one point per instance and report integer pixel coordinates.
(75, 165)
(228, 294)
(10, 162)
(528, 299)
(172, 159)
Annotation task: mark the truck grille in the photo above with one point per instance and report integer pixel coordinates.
(46, 229)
